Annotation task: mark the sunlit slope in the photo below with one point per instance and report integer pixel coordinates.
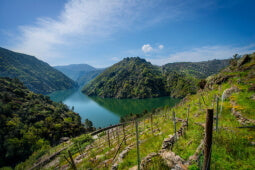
(136, 78)
(233, 142)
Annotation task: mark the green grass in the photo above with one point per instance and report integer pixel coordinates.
(231, 147)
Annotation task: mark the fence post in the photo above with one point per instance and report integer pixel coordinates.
(151, 124)
(137, 145)
(144, 123)
(117, 133)
(133, 126)
(175, 137)
(71, 158)
(187, 119)
(108, 138)
(199, 102)
(208, 139)
(217, 113)
(113, 133)
(124, 134)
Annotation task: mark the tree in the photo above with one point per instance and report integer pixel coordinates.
(233, 60)
(88, 125)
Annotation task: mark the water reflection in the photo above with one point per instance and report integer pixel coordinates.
(122, 107)
(105, 111)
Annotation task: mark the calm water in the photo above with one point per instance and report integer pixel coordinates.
(104, 112)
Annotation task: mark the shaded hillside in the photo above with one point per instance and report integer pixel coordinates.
(37, 75)
(30, 121)
(136, 78)
(197, 69)
(85, 77)
(130, 78)
(178, 84)
(74, 71)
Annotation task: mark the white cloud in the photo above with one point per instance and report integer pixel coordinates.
(161, 47)
(115, 59)
(87, 18)
(87, 21)
(204, 53)
(84, 21)
(147, 48)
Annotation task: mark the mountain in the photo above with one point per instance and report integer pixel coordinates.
(37, 75)
(197, 69)
(31, 121)
(73, 71)
(130, 78)
(136, 78)
(181, 78)
(85, 77)
(81, 73)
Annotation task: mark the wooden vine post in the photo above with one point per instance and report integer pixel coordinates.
(174, 120)
(72, 161)
(217, 113)
(118, 137)
(208, 139)
(187, 119)
(108, 138)
(144, 123)
(124, 134)
(137, 145)
(151, 124)
(199, 102)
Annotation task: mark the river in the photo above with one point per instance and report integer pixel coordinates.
(107, 111)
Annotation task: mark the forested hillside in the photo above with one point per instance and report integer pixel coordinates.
(31, 121)
(130, 78)
(36, 75)
(81, 73)
(196, 69)
(85, 77)
(136, 78)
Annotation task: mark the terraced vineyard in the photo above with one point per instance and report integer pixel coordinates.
(160, 147)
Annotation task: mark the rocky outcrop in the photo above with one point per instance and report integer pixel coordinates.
(121, 156)
(245, 59)
(239, 116)
(169, 142)
(175, 162)
(228, 92)
(217, 79)
(195, 156)
(147, 159)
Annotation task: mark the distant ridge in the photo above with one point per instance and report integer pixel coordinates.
(136, 78)
(73, 70)
(81, 73)
(37, 75)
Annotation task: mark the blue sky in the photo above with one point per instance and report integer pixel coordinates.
(102, 32)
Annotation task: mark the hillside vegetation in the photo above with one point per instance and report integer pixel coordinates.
(136, 78)
(233, 138)
(85, 77)
(130, 78)
(31, 121)
(197, 69)
(81, 73)
(36, 75)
